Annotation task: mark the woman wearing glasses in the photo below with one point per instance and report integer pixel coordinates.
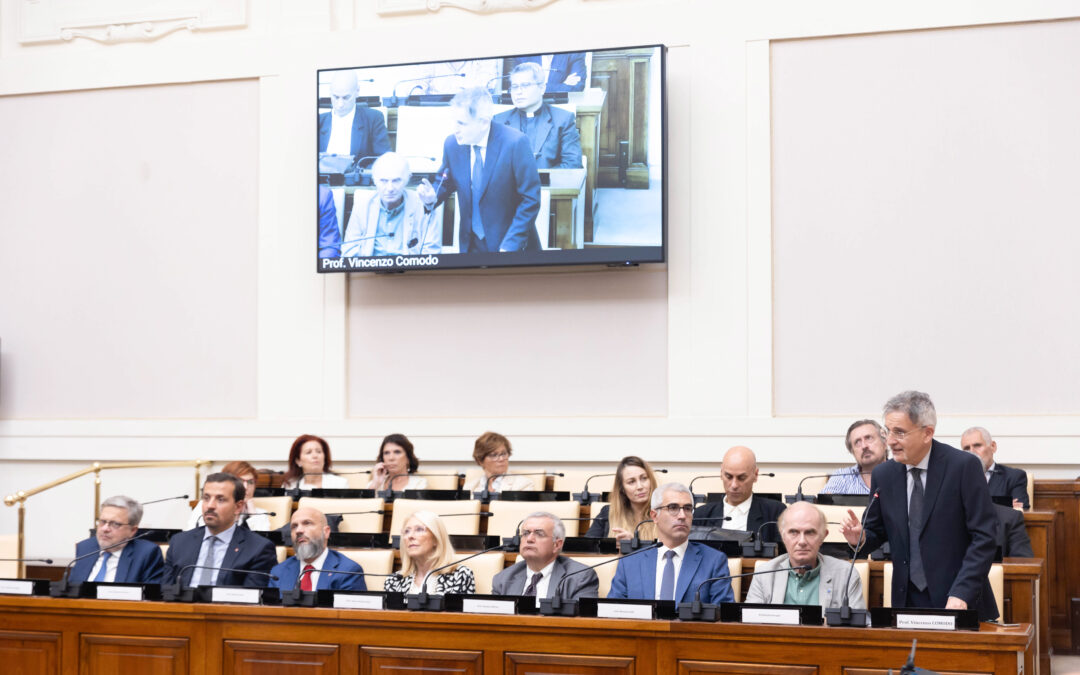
(425, 547)
(630, 495)
(492, 452)
(253, 517)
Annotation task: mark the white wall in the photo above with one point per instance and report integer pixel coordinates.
(224, 343)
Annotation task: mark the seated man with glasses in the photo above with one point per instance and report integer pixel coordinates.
(542, 570)
(675, 569)
(551, 131)
(134, 562)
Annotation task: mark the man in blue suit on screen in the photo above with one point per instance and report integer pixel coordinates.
(315, 567)
(136, 562)
(675, 569)
(492, 169)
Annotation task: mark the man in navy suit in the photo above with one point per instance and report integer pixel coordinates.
(1003, 481)
(551, 131)
(934, 509)
(748, 513)
(349, 129)
(320, 566)
(566, 72)
(492, 168)
(136, 562)
(675, 569)
(195, 557)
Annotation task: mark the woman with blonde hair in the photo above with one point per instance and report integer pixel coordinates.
(630, 497)
(425, 546)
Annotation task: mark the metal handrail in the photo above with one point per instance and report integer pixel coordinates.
(96, 468)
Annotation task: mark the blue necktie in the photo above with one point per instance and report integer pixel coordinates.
(104, 568)
(667, 582)
(477, 181)
(915, 520)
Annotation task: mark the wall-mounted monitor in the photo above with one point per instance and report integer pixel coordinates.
(516, 160)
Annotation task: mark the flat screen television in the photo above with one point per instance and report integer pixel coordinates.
(517, 160)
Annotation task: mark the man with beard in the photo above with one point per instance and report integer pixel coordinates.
(315, 566)
(865, 441)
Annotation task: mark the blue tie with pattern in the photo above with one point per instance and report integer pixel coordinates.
(104, 568)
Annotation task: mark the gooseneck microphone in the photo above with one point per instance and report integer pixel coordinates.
(485, 494)
(554, 604)
(757, 548)
(295, 596)
(696, 610)
(185, 568)
(61, 588)
(394, 101)
(628, 546)
(165, 499)
(585, 497)
(844, 615)
(434, 603)
(514, 543)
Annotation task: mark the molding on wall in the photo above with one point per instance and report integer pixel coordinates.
(116, 21)
(391, 7)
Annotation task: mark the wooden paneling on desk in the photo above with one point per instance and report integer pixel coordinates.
(1062, 499)
(45, 636)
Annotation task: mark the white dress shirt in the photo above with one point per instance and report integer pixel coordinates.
(738, 514)
(317, 564)
(989, 472)
(220, 548)
(542, 585)
(110, 569)
(911, 479)
(340, 142)
(661, 562)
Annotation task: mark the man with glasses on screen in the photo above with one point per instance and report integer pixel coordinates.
(391, 220)
(134, 562)
(675, 569)
(492, 169)
(551, 131)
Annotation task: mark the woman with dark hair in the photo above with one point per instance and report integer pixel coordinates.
(394, 464)
(630, 502)
(253, 517)
(309, 466)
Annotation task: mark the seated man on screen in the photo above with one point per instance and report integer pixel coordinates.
(315, 566)
(565, 72)
(1011, 533)
(675, 569)
(391, 220)
(329, 234)
(551, 131)
(350, 129)
(803, 529)
(491, 167)
(136, 562)
(866, 442)
(747, 513)
(542, 569)
(1003, 481)
(196, 557)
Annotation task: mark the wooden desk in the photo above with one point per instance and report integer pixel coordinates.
(1062, 499)
(46, 635)
(568, 209)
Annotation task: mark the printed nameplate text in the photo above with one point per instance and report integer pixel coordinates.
(120, 593)
(16, 587)
(247, 596)
(610, 610)
(786, 617)
(346, 601)
(926, 621)
(484, 606)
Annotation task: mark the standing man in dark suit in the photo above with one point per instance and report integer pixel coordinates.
(220, 543)
(1003, 481)
(739, 471)
(349, 129)
(551, 131)
(934, 509)
(491, 167)
(136, 562)
(543, 568)
(565, 72)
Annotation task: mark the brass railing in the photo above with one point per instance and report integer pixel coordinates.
(96, 468)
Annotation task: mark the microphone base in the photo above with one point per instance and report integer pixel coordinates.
(768, 550)
(432, 603)
(565, 608)
(834, 616)
(586, 498)
(295, 598)
(627, 546)
(176, 593)
(707, 612)
(63, 589)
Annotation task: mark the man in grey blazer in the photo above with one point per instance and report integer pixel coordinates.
(542, 569)
(802, 527)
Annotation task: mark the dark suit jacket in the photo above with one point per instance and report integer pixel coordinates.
(761, 511)
(509, 193)
(562, 65)
(369, 137)
(957, 535)
(1011, 533)
(329, 233)
(512, 580)
(635, 576)
(288, 573)
(247, 551)
(1006, 481)
(555, 139)
(140, 562)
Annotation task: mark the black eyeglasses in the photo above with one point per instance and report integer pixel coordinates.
(674, 509)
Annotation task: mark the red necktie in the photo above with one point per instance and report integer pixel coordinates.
(305, 578)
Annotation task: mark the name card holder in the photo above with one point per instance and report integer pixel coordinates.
(752, 612)
(359, 599)
(627, 609)
(234, 594)
(921, 618)
(131, 592)
(491, 604)
(24, 586)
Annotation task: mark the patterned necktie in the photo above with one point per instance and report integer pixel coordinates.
(477, 181)
(530, 590)
(104, 567)
(207, 576)
(305, 579)
(915, 521)
(667, 582)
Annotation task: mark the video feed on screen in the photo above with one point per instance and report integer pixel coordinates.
(527, 160)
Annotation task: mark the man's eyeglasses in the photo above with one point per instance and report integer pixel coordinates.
(523, 86)
(111, 524)
(674, 509)
(539, 534)
(900, 434)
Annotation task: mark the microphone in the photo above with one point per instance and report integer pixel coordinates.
(497, 78)
(349, 473)
(759, 548)
(165, 499)
(47, 561)
(844, 615)
(798, 496)
(485, 494)
(61, 589)
(429, 210)
(271, 577)
(691, 487)
(711, 530)
(585, 497)
(434, 603)
(394, 102)
(295, 596)
(626, 547)
(388, 492)
(698, 611)
(554, 605)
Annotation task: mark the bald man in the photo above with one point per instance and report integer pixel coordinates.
(323, 567)
(739, 471)
(391, 220)
(803, 528)
(349, 129)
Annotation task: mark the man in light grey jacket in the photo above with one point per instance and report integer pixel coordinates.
(803, 527)
(542, 569)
